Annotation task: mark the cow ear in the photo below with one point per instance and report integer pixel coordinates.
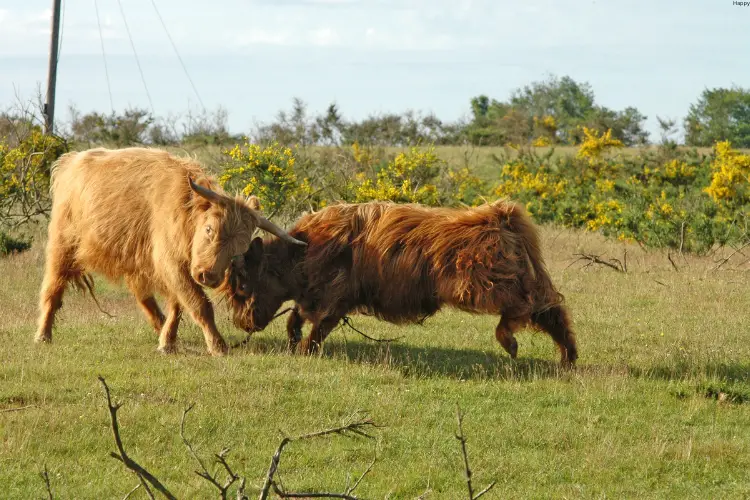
(255, 251)
(253, 202)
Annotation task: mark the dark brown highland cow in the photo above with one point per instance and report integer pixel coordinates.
(402, 263)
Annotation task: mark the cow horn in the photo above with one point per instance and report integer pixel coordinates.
(272, 228)
(206, 193)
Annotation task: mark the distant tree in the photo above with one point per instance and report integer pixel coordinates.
(720, 114)
(626, 125)
(549, 112)
(121, 130)
(330, 125)
(667, 128)
(570, 103)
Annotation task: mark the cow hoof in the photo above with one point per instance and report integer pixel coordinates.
(167, 349)
(220, 349)
(43, 339)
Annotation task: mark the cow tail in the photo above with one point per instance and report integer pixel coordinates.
(85, 282)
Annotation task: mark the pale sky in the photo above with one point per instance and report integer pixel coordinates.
(374, 56)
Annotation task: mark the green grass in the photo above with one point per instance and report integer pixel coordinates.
(659, 406)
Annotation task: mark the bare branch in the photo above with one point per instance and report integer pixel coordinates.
(591, 259)
(45, 477)
(205, 474)
(727, 259)
(462, 440)
(122, 456)
(145, 487)
(347, 321)
(467, 470)
(671, 261)
(344, 430)
(350, 490)
(286, 494)
(20, 408)
(132, 491)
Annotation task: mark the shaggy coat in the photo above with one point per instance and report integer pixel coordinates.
(152, 218)
(402, 263)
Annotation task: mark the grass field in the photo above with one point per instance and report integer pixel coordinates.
(658, 407)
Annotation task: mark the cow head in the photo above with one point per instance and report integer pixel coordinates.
(224, 229)
(257, 289)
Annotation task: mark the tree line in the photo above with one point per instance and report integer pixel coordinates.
(548, 112)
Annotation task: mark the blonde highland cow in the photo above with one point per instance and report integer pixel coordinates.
(155, 220)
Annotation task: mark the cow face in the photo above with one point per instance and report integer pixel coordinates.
(257, 290)
(224, 229)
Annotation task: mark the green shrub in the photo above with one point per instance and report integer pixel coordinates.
(10, 245)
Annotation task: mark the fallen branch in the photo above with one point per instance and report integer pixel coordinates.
(132, 491)
(20, 408)
(462, 439)
(592, 259)
(122, 456)
(355, 428)
(671, 261)
(48, 486)
(727, 259)
(220, 457)
(348, 322)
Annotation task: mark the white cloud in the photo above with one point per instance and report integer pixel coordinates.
(324, 37)
(262, 37)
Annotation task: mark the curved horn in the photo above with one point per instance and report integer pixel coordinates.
(206, 193)
(272, 228)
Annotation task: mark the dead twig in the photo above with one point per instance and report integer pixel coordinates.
(671, 261)
(122, 456)
(462, 439)
(727, 259)
(20, 408)
(355, 428)
(682, 237)
(45, 477)
(220, 457)
(592, 259)
(132, 491)
(347, 321)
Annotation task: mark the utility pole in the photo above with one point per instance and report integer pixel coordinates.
(49, 105)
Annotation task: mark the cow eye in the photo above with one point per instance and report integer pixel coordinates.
(209, 230)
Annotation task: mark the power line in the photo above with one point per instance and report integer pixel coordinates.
(140, 70)
(104, 56)
(153, 2)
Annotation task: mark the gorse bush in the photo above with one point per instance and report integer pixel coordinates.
(693, 202)
(25, 175)
(266, 172)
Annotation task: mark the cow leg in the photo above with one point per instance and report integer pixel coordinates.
(168, 334)
(145, 297)
(194, 300)
(318, 334)
(58, 270)
(505, 330)
(556, 323)
(294, 328)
